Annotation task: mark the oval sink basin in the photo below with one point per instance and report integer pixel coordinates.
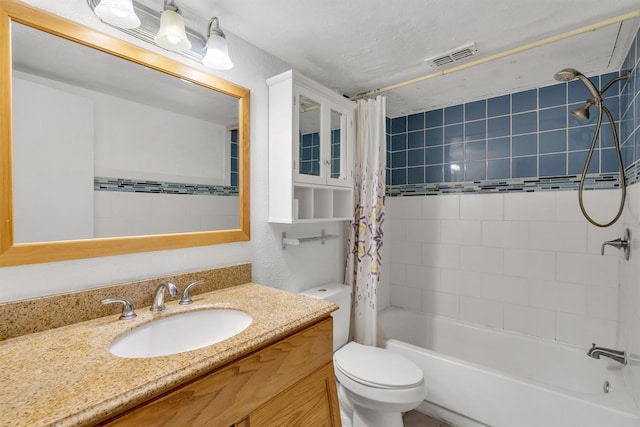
(180, 333)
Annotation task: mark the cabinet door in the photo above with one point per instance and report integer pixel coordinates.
(339, 146)
(308, 136)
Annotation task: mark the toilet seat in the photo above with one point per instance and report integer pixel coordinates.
(377, 368)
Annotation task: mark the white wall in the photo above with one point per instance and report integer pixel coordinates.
(525, 262)
(294, 268)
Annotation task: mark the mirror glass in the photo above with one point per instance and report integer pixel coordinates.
(107, 148)
(309, 136)
(337, 126)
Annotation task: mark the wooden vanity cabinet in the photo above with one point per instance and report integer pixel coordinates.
(288, 383)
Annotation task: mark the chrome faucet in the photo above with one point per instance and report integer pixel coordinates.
(158, 297)
(186, 294)
(623, 243)
(617, 355)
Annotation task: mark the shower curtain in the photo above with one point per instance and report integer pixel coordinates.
(365, 232)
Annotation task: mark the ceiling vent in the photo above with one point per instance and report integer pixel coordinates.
(454, 55)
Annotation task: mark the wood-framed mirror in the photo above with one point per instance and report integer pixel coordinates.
(109, 188)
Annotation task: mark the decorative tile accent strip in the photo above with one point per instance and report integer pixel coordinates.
(632, 173)
(571, 182)
(44, 313)
(140, 186)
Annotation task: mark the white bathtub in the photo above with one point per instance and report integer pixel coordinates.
(479, 376)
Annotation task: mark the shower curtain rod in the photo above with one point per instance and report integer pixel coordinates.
(499, 55)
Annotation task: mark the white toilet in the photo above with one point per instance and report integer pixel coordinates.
(374, 385)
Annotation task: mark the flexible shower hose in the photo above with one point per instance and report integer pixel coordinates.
(623, 186)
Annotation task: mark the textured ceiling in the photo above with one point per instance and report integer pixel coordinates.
(358, 45)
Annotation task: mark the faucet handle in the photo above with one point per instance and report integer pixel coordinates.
(186, 295)
(620, 243)
(127, 309)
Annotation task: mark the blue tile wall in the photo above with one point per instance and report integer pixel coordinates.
(234, 158)
(529, 135)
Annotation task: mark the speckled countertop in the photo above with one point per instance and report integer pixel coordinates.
(68, 377)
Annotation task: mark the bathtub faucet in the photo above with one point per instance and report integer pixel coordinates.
(617, 355)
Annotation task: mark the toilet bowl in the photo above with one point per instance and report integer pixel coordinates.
(374, 385)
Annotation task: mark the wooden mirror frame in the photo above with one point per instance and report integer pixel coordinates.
(12, 253)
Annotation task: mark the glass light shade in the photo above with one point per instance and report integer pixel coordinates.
(118, 12)
(217, 56)
(172, 34)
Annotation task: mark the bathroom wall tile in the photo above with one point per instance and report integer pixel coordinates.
(558, 296)
(398, 125)
(434, 118)
(415, 175)
(554, 141)
(485, 312)
(394, 229)
(524, 167)
(415, 121)
(606, 137)
(552, 118)
(422, 277)
(530, 263)
(461, 232)
(486, 206)
(460, 282)
(453, 114)
(498, 127)
(499, 106)
(475, 110)
(434, 174)
(415, 157)
(441, 304)
(524, 101)
(475, 130)
(578, 91)
(454, 171)
(453, 134)
(505, 234)
(475, 171)
(524, 123)
(398, 176)
(434, 136)
(398, 273)
(440, 255)
(406, 297)
(434, 156)
(577, 159)
(559, 236)
(551, 96)
(507, 289)
(608, 161)
(399, 159)
(537, 206)
(530, 321)
(498, 169)
(580, 138)
(424, 230)
(524, 145)
(404, 207)
(587, 269)
(408, 252)
(602, 302)
(552, 165)
(415, 139)
(498, 148)
(582, 330)
(481, 259)
(441, 207)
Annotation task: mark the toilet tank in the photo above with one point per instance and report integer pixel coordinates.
(340, 295)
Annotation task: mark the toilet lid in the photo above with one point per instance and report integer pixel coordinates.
(377, 367)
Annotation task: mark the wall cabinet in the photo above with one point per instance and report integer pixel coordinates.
(310, 151)
(290, 382)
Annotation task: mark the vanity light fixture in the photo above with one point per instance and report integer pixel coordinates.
(217, 51)
(118, 12)
(172, 34)
(167, 28)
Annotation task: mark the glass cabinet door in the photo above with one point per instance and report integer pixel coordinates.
(338, 137)
(310, 134)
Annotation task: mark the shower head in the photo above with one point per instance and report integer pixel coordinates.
(568, 74)
(582, 113)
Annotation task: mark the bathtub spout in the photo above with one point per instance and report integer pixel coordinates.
(617, 355)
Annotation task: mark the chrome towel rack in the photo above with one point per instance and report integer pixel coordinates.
(297, 241)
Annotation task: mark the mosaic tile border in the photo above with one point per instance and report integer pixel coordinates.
(570, 182)
(161, 187)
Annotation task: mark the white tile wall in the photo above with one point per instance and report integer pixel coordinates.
(525, 262)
